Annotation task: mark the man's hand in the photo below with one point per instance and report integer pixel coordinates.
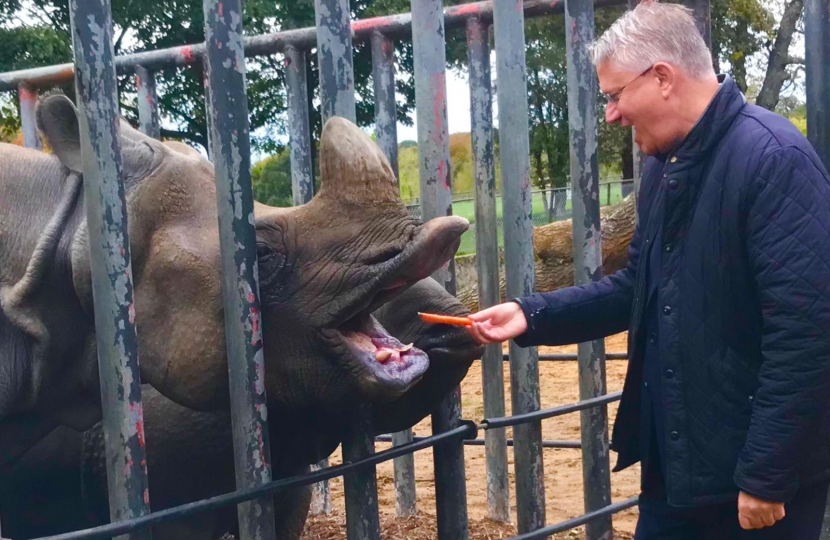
(755, 513)
(498, 323)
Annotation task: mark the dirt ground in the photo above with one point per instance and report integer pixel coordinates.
(563, 467)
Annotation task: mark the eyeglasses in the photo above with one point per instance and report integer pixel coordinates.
(614, 97)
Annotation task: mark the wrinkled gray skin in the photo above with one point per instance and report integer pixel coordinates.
(60, 485)
(324, 267)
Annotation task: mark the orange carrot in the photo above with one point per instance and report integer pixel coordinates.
(445, 319)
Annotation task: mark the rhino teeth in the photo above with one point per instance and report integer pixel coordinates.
(383, 355)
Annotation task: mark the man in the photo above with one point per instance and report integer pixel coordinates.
(726, 297)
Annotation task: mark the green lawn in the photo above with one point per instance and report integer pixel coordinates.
(467, 210)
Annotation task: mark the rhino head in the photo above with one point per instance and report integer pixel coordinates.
(324, 268)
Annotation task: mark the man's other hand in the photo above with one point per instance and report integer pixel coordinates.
(755, 513)
(498, 323)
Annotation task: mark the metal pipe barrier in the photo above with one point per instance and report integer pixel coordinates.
(109, 246)
(481, 442)
(466, 431)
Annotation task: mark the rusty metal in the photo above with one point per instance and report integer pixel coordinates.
(266, 44)
(225, 63)
(386, 115)
(334, 56)
(28, 124)
(148, 103)
(518, 254)
(302, 180)
(109, 247)
(487, 259)
(582, 121)
(383, 75)
(817, 48)
(429, 52)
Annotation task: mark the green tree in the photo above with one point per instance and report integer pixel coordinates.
(271, 179)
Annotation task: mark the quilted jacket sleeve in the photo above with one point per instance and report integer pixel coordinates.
(585, 312)
(788, 245)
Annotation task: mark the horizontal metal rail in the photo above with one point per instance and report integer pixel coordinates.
(466, 430)
(480, 442)
(266, 44)
(573, 356)
(572, 523)
(492, 423)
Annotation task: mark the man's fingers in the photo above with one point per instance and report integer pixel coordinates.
(767, 519)
(779, 512)
(744, 521)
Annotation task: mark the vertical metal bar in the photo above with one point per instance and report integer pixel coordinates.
(109, 246)
(638, 156)
(28, 124)
(582, 91)
(302, 180)
(320, 492)
(511, 73)
(334, 53)
(383, 75)
(404, 470)
(208, 114)
(703, 19)
(225, 62)
(487, 261)
(817, 45)
(148, 104)
(386, 114)
(334, 56)
(429, 50)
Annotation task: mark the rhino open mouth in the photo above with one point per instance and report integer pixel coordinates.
(387, 368)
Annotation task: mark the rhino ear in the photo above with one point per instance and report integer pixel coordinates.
(353, 167)
(57, 119)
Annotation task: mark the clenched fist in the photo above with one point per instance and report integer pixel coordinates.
(755, 513)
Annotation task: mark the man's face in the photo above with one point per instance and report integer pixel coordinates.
(638, 99)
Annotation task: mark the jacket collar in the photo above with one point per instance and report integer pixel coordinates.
(712, 124)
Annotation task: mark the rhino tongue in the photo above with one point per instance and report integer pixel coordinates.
(385, 354)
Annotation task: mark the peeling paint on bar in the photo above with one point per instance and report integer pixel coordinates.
(266, 44)
(582, 117)
(302, 182)
(28, 124)
(118, 368)
(518, 254)
(487, 260)
(429, 50)
(148, 106)
(225, 65)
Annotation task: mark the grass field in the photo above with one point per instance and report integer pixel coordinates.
(467, 210)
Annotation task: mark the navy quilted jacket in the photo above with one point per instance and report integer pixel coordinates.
(744, 296)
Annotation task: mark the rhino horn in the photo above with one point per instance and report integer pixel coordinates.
(353, 168)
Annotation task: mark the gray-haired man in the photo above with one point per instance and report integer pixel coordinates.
(726, 297)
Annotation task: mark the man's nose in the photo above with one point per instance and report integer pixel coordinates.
(611, 113)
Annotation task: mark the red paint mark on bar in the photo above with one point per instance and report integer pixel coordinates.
(374, 22)
(27, 94)
(187, 53)
(466, 9)
(219, 9)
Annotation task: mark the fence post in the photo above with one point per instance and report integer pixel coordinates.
(208, 114)
(28, 124)
(702, 13)
(109, 246)
(225, 62)
(429, 51)
(511, 74)
(383, 74)
(302, 180)
(334, 54)
(148, 105)
(817, 48)
(582, 91)
(487, 261)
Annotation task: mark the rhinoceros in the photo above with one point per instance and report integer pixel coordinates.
(324, 268)
(59, 485)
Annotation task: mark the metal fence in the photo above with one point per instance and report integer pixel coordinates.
(94, 69)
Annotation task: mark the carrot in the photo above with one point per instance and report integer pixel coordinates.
(445, 319)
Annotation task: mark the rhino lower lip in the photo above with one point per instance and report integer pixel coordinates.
(396, 372)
